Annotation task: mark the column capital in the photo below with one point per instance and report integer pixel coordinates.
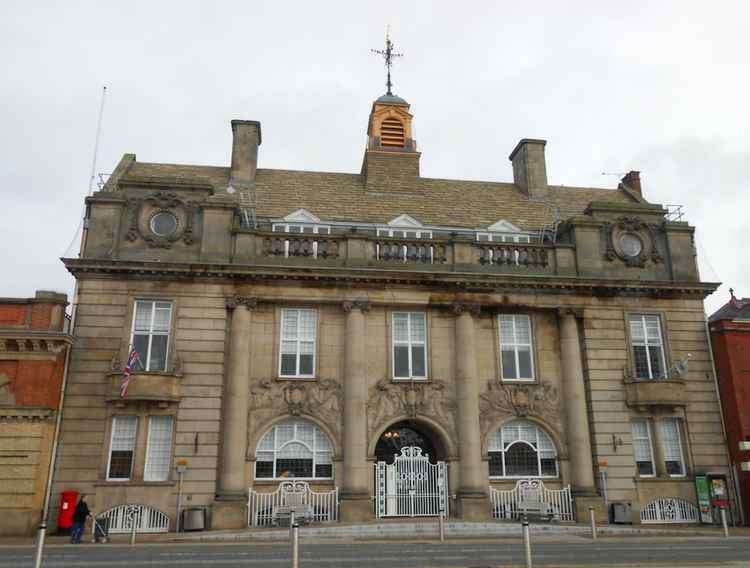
(574, 312)
(250, 302)
(349, 305)
(459, 308)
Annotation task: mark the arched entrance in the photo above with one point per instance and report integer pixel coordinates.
(411, 480)
(408, 433)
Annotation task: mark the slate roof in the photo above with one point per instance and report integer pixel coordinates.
(343, 197)
(734, 309)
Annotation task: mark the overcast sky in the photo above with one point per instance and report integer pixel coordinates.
(660, 87)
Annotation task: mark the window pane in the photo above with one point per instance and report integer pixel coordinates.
(641, 362)
(158, 361)
(524, 363)
(496, 464)
(506, 330)
(671, 444)
(307, 321)
(159, 455)
(401, 327)
(120, 465)
(294, 467)
(123, 444)
(523, 330)
(263, 469)
(323, 470)
(288, 364)
(140, 344)
(636, 329)
(418, 362)
(418, 328)
(401, 360)
(521, 459)
(654, 354)
(509, 364)
(289, 324)
(162, 317)
(549, 464)
(143, 316)
(295, 450)
(645, 467)
(305, 364)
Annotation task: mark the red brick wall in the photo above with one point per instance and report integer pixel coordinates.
(12, 314)
(731, 342)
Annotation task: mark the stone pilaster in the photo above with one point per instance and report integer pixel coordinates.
(576, 416)
(229, 508)
(472, 502)
(355, 495)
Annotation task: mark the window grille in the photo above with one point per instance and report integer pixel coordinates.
(522, 449)
(150, 336)
(409, 345)
(644, 460)
(516, 359)
(122, 446)
(294, 448)
(669, 432)
(297, 353)
(648, 349)
(159, 449)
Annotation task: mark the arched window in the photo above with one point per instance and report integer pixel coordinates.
(294, 448)
(392, 133)
(522, 449)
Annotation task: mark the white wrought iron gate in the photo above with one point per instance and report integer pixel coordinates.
(411, 486)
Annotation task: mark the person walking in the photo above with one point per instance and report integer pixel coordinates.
(80, 515)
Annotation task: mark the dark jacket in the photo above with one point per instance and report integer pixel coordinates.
(81, 512)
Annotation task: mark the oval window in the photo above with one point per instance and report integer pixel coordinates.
(631, 244)
(164, 223)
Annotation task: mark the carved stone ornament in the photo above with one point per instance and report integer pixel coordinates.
(541, 400)
(141, 213)
(349, 305)
(632, 241)
(472, 309)
(391, 399)
(250, 302)
(323, 399)
(7, 396)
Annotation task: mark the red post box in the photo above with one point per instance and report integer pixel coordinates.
(68, 500)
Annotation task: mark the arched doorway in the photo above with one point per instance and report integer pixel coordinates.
(411, 480)
(408, 433)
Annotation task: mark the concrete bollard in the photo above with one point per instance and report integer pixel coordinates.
(441, 522)
(295, 545)
(132, 532)
(592, 517)
(724, 525)
(526, 541)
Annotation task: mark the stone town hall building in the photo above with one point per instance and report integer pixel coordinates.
(308, 325)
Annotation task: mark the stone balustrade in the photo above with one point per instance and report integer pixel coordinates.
(514, 254)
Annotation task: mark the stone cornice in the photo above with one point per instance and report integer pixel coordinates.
(328, 275)
(21, 413)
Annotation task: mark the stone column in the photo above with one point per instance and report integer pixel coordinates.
(355, 495)
(576, 418)
(229, 508)
(472, 500)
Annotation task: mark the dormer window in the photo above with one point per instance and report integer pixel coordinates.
(503, 232)
(392, 133)
(304, 222)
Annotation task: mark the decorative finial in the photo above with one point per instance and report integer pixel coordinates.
(388, 54)
(731, 293)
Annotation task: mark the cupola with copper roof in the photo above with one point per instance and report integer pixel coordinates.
(391, 153)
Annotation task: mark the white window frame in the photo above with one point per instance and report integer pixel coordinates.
(485, 236)
(515, 347)
(299, 341)
(492, 448)
(151, 333)
(113, 421)
(662, 438)
(147, 474)
(647, 343)
(649, 439)
(314, 449)
(287, 228)
(409, 344)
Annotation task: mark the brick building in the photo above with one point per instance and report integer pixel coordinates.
(34, 343)
(313, 325)
(730, 334)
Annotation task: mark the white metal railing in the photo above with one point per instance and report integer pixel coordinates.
(147, 519)
(261, 506)
(669, 510)
(532, 496)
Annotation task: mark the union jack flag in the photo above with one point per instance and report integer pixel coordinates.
(132, 358)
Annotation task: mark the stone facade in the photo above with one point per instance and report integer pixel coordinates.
(353, 252)
(33, 349)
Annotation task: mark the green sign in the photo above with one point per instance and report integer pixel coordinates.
(704, 498)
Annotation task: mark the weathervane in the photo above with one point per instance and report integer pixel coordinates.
(388, 54)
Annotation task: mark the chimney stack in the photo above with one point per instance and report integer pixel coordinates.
(632, 181)
(245, 141)
(530, 168)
